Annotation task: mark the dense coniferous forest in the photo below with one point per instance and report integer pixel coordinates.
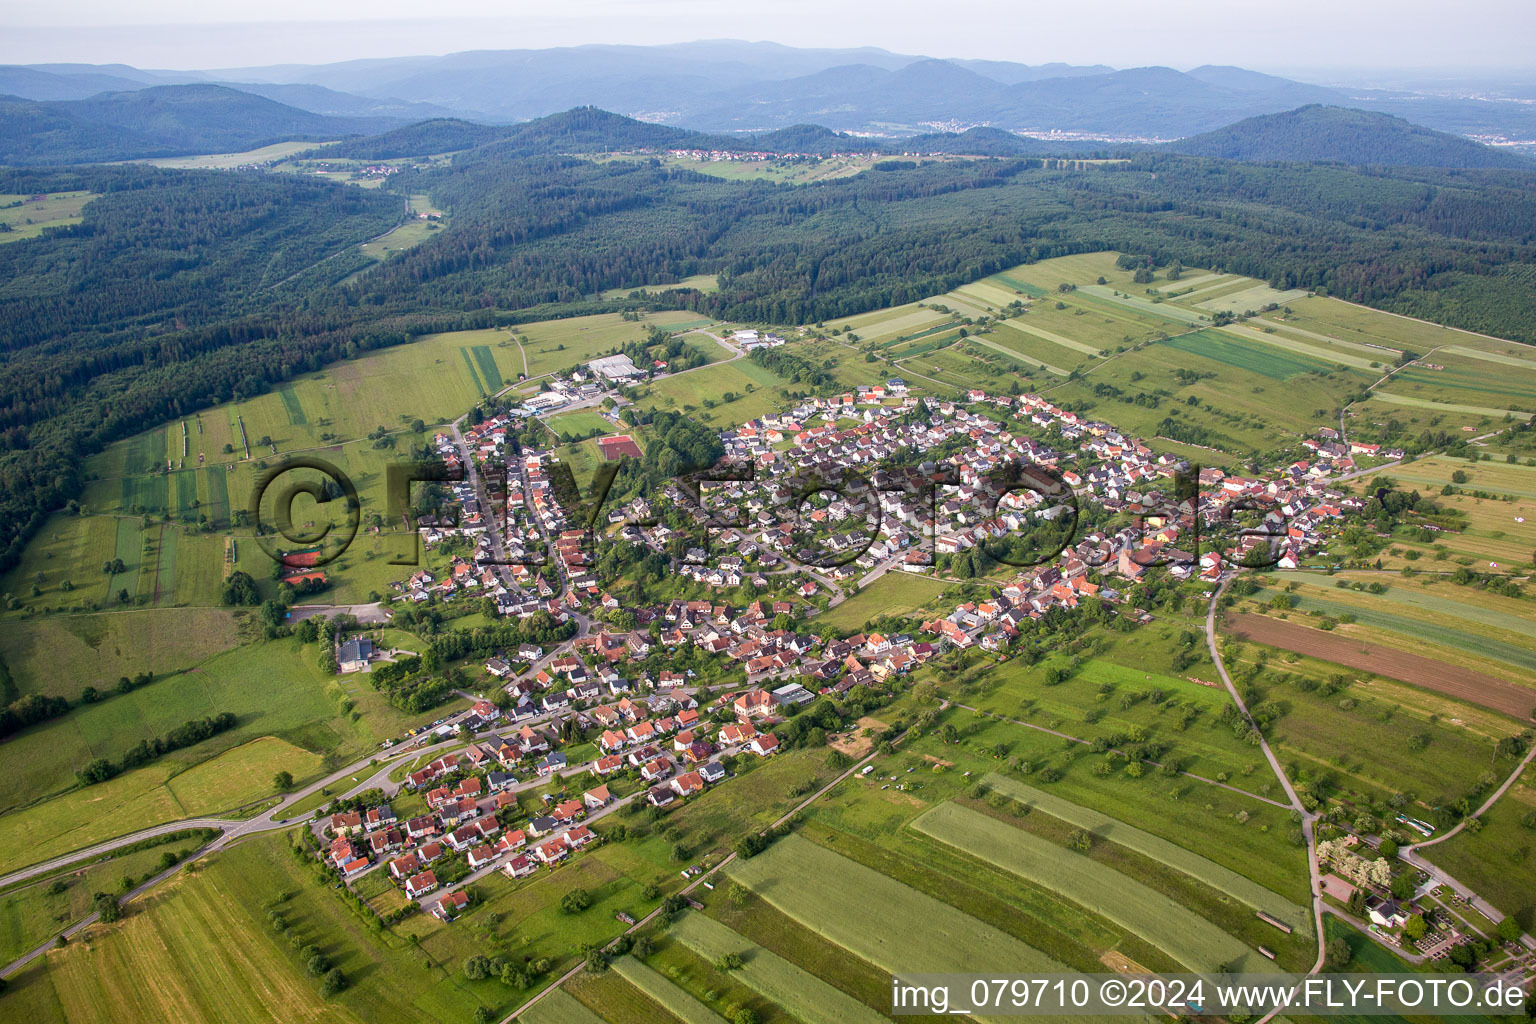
(184, 289)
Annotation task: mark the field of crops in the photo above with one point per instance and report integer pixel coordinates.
(674, 999)
(1249, 354)
(560, 1007)
(803, 995)
(1144, 911)
(853, 906)
(1193, 864)
(1499, 636)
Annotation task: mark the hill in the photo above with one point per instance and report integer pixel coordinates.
(168, 120)
(1338, 134)
(440, 135)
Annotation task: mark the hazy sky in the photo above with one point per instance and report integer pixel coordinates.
(1468, 38)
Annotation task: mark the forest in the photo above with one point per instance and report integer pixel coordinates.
(182, 289)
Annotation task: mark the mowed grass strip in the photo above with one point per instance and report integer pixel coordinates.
(1052, 337)
(559, 1007)
(674, 999)
(1140, 909)
(1301, 348)
(1159, 849)
(802, 995)
(858, 908)
(1425, 403)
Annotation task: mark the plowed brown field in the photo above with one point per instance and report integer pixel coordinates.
(1442, 677)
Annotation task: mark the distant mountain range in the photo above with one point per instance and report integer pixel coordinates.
(733, 93)
(725, 85)
(1317, 133)
(162, 120)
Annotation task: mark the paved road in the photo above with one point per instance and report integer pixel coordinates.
(1308, 820)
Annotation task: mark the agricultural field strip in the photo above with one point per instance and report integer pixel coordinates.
(1425, 403)
(559, 1007)
(1228, 285)
(1299, 347)
(1040, 332)
(1159, 849)
(1490, 357)
(1364, 348)
(1325, 598)
(1203, 282)
(897, 326)
(958, 304)
(854, 906)
(1251, 298)
(1011, 354)
(991, 294)
(1414, 633)
(1415, 473)
(676, 1000)
(1163, 310)
(802, 995)
(1138, 908)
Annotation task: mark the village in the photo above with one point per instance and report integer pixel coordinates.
(660, 736)
(655, 751)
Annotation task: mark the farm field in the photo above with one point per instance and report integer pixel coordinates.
(803, 995)
(1495, 477)
(256, 977)
(31, 214)
(851, 905)
(676, 1000)
(278, 151)
(1474, 687)
(895, 593)
(59, 655)
(560, 1007)
(277, 690)
(415, 230)
(148, 796)
(1331, 717)
(1187, 937)
(1238, 831)
(1106, 697)
(552, 345)
(1429, 629)
(1179, 858)
(701, 282)
(784, 172)
(30, 913)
